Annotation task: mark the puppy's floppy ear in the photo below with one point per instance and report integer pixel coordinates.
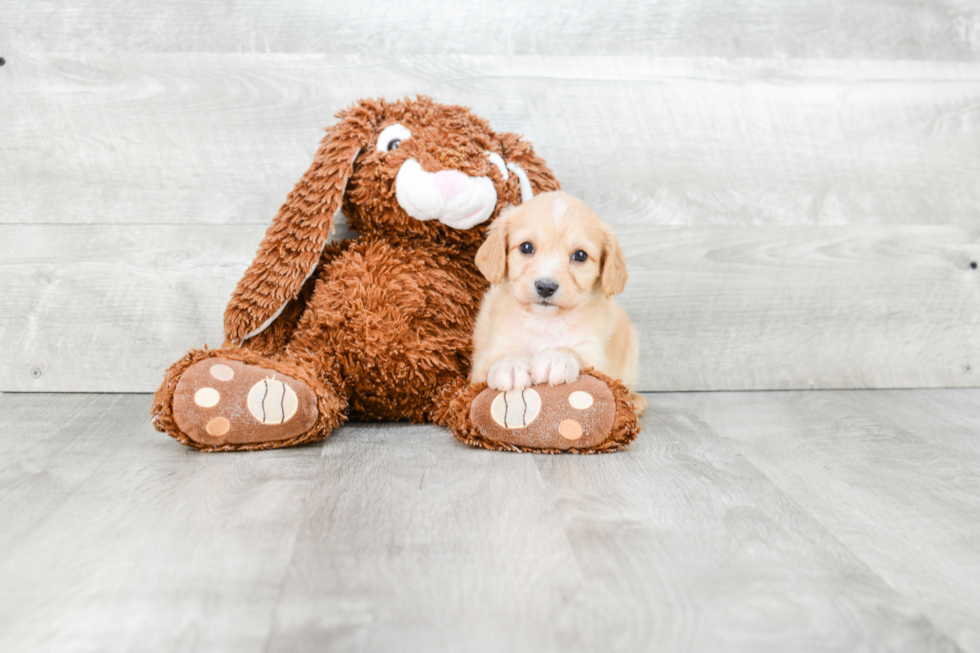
(491, 258)
(614, 273)
(291, 249)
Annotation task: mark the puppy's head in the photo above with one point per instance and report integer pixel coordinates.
(554, 253)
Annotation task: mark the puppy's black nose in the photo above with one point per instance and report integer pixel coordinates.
(546, 287)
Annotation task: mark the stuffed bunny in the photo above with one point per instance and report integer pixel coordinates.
(378, 327)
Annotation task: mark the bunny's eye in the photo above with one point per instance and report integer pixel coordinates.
(392, 136)
(527, 248)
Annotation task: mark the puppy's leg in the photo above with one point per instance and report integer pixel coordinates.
(556, 366)
(639, 403)
(509, 373)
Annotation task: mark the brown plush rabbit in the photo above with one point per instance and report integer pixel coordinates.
(378, 327)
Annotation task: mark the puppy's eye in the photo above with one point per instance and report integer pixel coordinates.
(580, 257)
(392, 136)
(527, 248)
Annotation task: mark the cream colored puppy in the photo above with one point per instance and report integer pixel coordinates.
(554, 267)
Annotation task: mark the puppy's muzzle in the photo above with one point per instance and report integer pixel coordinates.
(545, 287)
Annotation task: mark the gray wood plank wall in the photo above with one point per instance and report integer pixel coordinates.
(797, 186)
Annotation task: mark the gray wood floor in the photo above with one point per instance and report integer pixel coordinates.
(769, 521)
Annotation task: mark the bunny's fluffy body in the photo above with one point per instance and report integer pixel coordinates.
(379, 327)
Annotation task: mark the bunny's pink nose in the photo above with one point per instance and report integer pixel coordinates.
(449, 183)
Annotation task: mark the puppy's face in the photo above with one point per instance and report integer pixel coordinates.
(554, 253)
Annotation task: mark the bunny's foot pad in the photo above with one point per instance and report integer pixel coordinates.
(219, 401)
(589, 415)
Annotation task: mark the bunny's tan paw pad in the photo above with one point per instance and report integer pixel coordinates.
(220, 401)
(567, 417)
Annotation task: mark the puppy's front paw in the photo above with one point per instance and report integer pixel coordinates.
(509, 374)
(553, 367)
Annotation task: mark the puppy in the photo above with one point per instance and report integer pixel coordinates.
(554, 267)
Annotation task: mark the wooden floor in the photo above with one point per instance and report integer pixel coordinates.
(768, 521)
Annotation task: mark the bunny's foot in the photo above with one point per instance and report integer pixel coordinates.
(216, 401)
(591, 415)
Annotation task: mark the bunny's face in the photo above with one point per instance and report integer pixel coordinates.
(435, 171)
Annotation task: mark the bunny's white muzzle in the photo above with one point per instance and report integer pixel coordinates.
(449, 196)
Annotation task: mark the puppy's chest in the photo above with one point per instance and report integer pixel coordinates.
(538, 333)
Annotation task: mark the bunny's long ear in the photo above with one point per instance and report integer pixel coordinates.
(529, 166)
(290, 251)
